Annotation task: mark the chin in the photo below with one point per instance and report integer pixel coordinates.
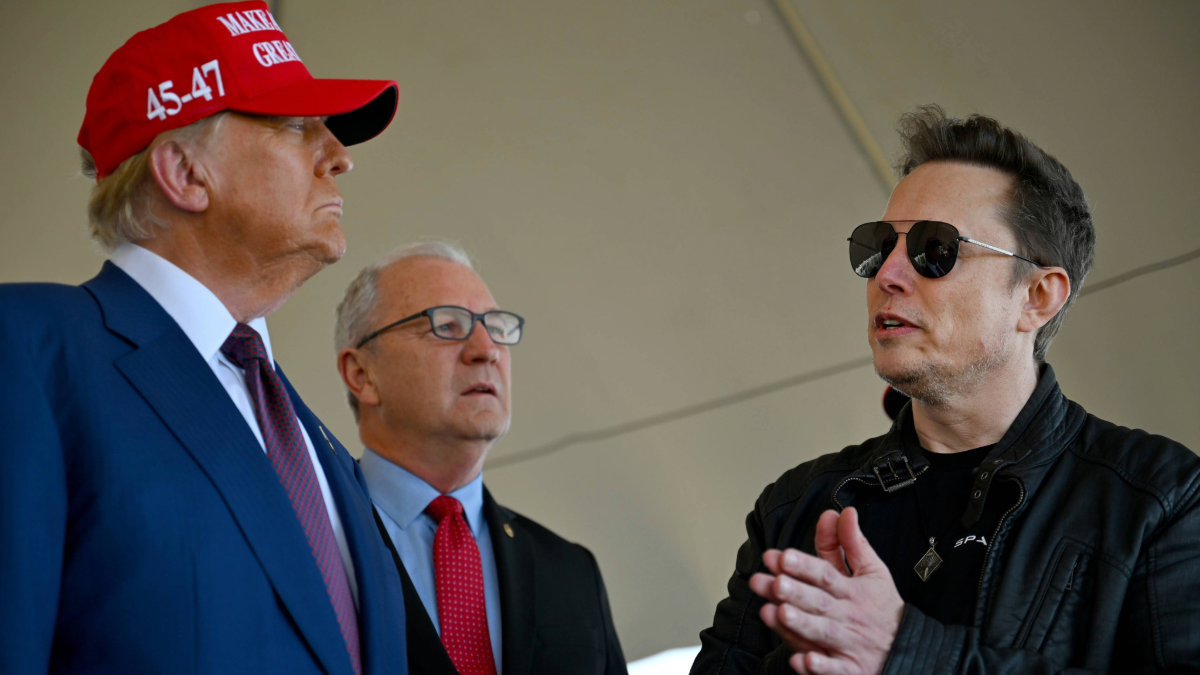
(919, 380)
(333, 245)
(892, 363)
(937, 381)
(900, 377)
(486, 430)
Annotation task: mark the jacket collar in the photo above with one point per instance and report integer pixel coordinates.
(518, 595)
(426, 655)
(380, 607)
(198, 311)
(1039, 433)
(177, 383)
(128, 309)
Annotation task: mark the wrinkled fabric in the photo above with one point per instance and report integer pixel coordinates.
(1094, 566)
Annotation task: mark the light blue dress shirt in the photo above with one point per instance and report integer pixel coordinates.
(401, 499)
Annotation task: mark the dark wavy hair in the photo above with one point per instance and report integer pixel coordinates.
(1047, 211)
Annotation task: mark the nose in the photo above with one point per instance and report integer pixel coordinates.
(334, 159)
(479, 347)
(895, 277)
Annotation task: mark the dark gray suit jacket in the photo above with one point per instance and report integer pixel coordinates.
(554, 609)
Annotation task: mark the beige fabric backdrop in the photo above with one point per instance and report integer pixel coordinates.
(664, 190)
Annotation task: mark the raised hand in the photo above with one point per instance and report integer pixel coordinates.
(839, 610)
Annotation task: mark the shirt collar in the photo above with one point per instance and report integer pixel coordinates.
(197, 310)
(404, 496)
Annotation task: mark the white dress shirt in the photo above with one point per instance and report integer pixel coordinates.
(207, 324)
(402, 498)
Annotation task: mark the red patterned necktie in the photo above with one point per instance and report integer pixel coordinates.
(462, 610)
(289, 455)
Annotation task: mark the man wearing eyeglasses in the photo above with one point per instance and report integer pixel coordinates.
(424, 353)
(997, 527)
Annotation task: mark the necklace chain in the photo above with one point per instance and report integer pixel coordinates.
(930, 561)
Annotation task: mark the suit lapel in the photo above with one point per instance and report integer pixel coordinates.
(181, 388)
(514, 566)
(426, 654)
(381, 618)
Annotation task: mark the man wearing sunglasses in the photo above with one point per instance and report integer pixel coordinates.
(424, 353)
(997, 527)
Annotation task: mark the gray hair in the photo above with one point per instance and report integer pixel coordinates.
(356, 311)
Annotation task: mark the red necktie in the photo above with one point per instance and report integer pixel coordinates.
(462, 610)
(289, 455)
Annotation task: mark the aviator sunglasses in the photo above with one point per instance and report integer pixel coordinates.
(932, 247)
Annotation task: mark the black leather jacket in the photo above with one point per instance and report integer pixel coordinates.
(1094, 566)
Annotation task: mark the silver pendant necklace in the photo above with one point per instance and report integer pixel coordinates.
(929, 562)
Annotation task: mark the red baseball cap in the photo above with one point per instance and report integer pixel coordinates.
(230, 56)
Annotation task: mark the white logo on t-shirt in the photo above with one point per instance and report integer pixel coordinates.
(969, 539)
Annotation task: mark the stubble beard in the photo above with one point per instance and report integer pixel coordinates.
(937, 385)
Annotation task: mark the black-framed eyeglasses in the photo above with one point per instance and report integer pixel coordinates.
(932, 247)
(457, 323)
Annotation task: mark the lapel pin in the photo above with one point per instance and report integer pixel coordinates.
(508, 531)
(327, 439)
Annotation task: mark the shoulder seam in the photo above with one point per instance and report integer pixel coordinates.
(1163, 500)
(804, 487)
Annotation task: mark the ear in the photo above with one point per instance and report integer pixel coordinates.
(179, 176)
(1046, 293)
(357, 377)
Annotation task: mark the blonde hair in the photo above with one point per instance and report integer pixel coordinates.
(121, 207)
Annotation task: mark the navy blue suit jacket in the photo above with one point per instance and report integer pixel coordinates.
(143, 528)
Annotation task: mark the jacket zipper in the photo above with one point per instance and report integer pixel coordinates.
(1071, 576)
(867, 481)
(992, 541)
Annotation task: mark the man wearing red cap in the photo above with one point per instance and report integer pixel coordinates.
(167, 502)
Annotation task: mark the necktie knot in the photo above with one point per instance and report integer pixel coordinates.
(443, 506)
(243, 346)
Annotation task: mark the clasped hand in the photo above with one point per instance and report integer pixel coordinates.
(839, 610)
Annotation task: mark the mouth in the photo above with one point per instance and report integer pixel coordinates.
(335, 205)
(480, 389)
(891, 324)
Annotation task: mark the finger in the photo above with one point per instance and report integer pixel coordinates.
(859, 554)
(770, 617)
(762, 585)
(796, 661)
(815, 572)
(771, 559)
(821, 664)
(821, 631)
(826, 542)
(810, 599)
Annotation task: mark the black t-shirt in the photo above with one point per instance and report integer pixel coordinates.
(899, 525)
